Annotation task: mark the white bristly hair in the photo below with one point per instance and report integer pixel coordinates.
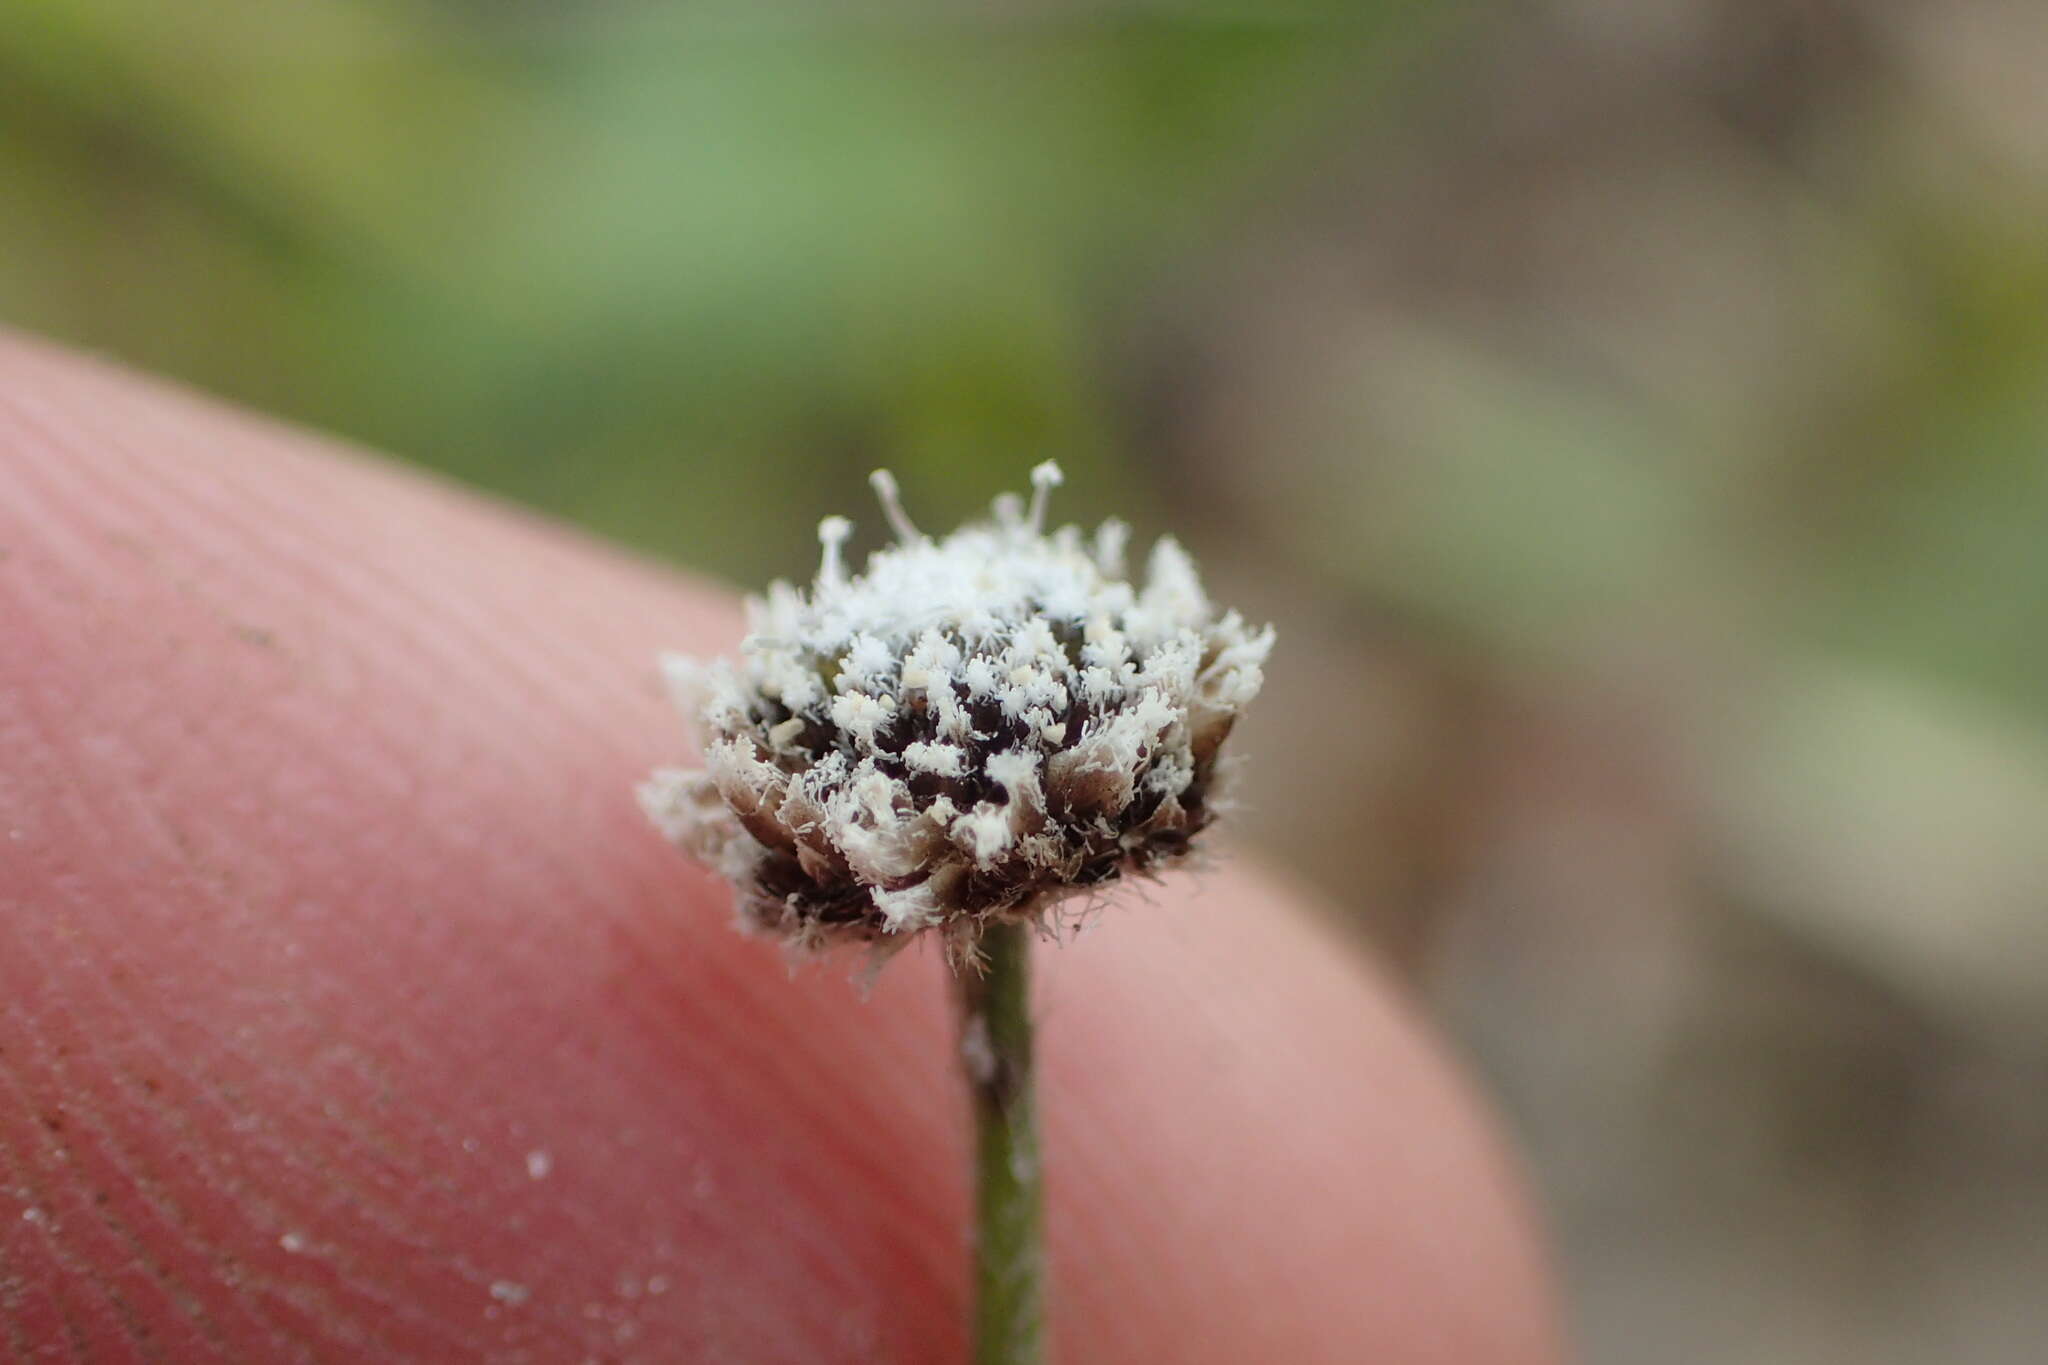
(967, 731)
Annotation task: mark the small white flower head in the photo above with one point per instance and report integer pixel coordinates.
(969, 731)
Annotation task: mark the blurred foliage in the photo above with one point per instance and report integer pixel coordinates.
(682, 273)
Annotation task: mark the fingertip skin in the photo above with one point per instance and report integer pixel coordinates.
(349, 1010)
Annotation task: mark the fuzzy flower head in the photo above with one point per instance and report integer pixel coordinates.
(969, 731)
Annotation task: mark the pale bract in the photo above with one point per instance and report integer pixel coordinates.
(970, 730)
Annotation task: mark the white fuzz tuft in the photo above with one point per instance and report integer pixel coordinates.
(966, 731)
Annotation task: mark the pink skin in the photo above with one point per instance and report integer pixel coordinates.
(349, 1010)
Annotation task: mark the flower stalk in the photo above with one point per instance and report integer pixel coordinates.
(1009, 1224)
(970, 733)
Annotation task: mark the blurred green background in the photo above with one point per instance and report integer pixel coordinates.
(1633, 412)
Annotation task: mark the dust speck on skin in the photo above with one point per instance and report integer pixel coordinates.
(130, 544)
(977, 1051)
(255, 635)
(538, 1164)
(292, 1242)
(508, 1292)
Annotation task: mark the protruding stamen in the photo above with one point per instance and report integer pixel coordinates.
(884, 484)
(1009, 509)
(1110, 539)
(832, 533)
(1044, 479)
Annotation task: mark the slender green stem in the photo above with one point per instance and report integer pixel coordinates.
(1009, 1232)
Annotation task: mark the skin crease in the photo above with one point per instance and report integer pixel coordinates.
(349, 1009)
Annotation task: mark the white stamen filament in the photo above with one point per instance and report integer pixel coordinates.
(884, 484)
(832, 534)
(1044, 479)
(1110, 539)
